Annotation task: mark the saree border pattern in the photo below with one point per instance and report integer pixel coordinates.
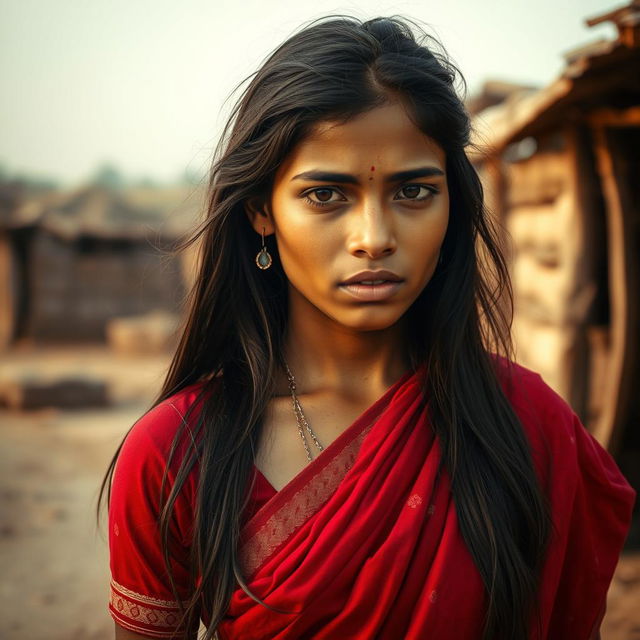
(140, 613)
(264, 538)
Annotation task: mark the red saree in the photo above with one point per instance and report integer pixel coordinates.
(360, 545)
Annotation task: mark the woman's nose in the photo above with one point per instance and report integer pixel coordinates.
(372, 231)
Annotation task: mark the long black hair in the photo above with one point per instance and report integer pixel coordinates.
(336, 68)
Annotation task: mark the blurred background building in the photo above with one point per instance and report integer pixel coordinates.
(72, 261)
(561, 168)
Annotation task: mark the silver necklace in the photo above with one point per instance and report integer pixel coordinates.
(300, 418)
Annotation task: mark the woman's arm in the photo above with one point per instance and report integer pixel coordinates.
(142, 600)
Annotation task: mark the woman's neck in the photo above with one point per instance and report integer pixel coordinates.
(325, 357)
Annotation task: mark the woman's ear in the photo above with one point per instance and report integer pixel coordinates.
(257, 211)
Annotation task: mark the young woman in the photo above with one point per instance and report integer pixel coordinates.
(343, 446)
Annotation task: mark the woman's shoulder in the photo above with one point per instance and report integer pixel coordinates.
(527, 387)
(564, 450)
(190, 397)
(544, 413)
(157, 427)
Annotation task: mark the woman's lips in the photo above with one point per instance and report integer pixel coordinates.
(371, 292)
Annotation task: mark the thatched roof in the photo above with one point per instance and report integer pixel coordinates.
(100, 212)
(600, 74)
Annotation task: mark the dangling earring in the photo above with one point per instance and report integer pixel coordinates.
(263, 257)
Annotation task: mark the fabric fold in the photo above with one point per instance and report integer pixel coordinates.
(364, 543)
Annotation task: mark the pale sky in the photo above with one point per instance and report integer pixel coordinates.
(141, 83)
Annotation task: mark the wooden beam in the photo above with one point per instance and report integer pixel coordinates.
(623, 287)
(8, 290)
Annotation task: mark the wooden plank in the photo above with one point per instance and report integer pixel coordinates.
(10, 288)
(598, 341)
(615, 174)
(589, 297)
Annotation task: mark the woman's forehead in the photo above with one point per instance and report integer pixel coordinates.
(384, 136)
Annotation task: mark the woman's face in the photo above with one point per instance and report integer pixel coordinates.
(340, 205)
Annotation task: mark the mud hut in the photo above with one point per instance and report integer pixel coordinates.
(561, 170)
(72, 261)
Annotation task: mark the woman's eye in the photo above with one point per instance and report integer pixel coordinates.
(411, 191)
(323, 196)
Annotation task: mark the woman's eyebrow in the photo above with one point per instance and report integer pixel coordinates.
(346, 178)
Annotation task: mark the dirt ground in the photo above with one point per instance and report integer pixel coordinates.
(54, 562)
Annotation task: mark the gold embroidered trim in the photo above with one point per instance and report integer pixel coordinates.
(299, 508)
(123, 622)
(128, 608)
(173, 604)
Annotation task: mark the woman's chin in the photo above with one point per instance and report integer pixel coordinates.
(370, 319)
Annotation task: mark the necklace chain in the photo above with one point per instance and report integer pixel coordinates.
(300, 417)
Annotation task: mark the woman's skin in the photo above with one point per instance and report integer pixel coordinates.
(345, 352)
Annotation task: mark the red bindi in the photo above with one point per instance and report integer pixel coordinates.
(373, 168)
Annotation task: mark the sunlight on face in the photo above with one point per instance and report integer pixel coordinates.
(330, 227)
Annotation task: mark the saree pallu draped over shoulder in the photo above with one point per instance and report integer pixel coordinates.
(365, 543)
